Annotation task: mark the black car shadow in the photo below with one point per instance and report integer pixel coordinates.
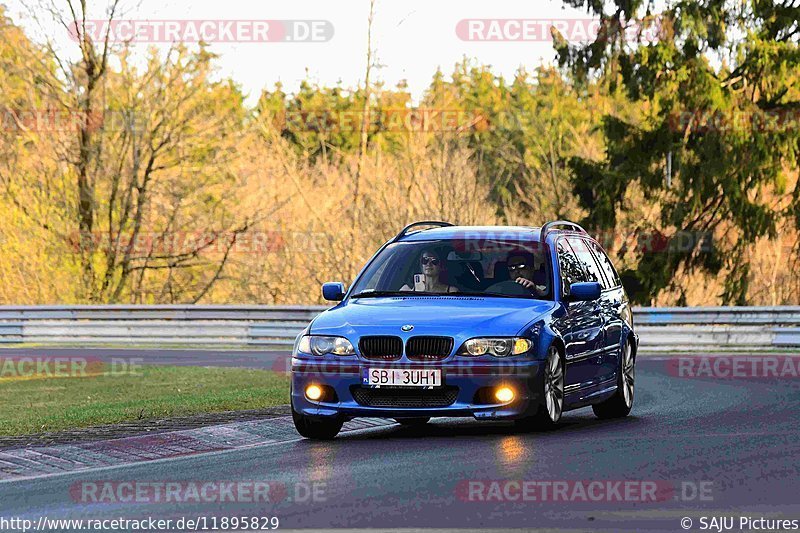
(570, 424)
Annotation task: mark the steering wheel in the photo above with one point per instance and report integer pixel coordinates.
(510, 288)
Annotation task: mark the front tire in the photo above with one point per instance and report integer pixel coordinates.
(316, 428)
(551, 406)
(619, 405)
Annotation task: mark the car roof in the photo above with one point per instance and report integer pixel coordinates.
(531, 233)
(462, 232)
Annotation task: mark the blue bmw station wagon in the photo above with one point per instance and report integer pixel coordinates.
(495, 323)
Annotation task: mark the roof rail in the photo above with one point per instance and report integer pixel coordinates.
(436, 223)
(547, 228)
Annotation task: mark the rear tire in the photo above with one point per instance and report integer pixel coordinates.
(316, 428)
(413, 422)
(551, 406)
(619, 405)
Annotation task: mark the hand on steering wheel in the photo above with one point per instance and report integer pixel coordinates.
(528, 284)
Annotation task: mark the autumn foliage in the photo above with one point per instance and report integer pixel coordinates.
(125, 181)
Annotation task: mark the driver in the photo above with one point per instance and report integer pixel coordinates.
(524, 269)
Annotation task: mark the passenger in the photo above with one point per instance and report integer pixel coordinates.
(434, 274)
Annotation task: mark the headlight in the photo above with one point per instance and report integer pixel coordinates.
(319, 345)
(498, 347)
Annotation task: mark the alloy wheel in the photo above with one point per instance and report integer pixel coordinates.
(628, 375)
(554, 385)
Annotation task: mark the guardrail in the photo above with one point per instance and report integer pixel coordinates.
(244, 325)
(727, 328)
(667, 328)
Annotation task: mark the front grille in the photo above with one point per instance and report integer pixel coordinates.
(381, 347)
(428, 348)
(441, 397)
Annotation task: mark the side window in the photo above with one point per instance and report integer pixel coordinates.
(605, 264)
(570, 268)
(586, 259)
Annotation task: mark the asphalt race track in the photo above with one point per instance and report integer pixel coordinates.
(712, 447)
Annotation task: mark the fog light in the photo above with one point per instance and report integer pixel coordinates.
(504, 394)
(314, 392)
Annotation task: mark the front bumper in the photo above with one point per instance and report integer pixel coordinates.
(524, 376)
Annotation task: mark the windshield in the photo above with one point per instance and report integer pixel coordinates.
(481, 267)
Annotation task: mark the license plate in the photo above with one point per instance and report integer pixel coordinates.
(394, 377)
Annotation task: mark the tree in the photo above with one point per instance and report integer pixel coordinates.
(717, 84)
(138, 187)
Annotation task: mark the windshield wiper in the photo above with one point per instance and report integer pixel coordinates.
(377, 294)
(481, 294)
(381, 294)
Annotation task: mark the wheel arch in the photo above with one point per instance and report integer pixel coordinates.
(631, 339)
(562, 349)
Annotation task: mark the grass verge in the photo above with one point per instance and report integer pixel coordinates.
(39, 405)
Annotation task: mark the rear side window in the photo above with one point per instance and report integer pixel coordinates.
(587, 261)
(570, 268)
(605, 264)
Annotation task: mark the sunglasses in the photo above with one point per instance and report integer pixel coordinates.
(514, 268)
(429, 261)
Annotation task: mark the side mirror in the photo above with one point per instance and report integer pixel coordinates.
(333, 291)
(584, 291)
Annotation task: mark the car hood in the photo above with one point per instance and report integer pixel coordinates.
(430, 315)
